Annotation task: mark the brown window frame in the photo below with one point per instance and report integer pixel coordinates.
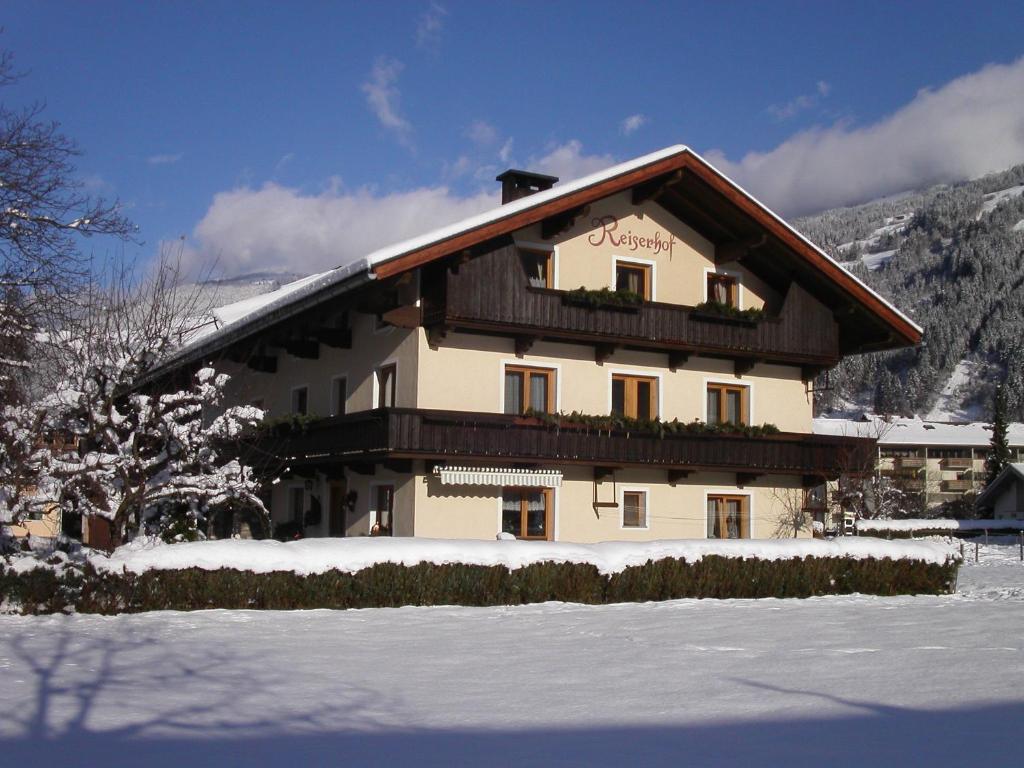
(629, 406)
(378, 525)
(527, 371)
(643, 520)
(549, 511)
(723, 411)
(303, 393)
(733, 287)
(549, 264)
(381, 389)
(339, 395)
(647, 270)
(721, 499)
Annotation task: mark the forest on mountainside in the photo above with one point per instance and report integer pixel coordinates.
(952, 259)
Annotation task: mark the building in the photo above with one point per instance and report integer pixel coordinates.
(936, 462)
(1004, 498)
(658, 303)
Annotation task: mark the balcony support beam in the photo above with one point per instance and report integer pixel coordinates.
(603, 351)
(746, 478)
(524, 344)
(677, 359)
(675, 475)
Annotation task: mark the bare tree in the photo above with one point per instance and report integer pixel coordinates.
(44, 214)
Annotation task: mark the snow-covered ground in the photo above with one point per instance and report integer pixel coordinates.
(993, 199)
(949, 406)
(838, 681)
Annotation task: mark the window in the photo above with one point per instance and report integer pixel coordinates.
(723, 289)
(540, 268)
(727, 404)
(383, 499)
(296, 504)
(635, 278)
(635, 397)
(529, 389)
(300, 400)
(728, 517)
(634, 509)
(526, 512)
(339, 393)
(386, 376)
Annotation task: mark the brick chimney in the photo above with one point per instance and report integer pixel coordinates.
(516, 184)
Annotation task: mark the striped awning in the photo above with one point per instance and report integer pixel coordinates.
(504, 476)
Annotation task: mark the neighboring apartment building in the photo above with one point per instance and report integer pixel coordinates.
(939, 462)
(440, 365)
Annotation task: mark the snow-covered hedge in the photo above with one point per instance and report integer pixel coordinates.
(367, 573)
(910, 528)
(310, 556)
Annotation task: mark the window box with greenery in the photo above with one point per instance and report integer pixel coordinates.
(604, 298)
(716, 311)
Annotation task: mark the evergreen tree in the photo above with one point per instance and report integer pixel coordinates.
(999, 452)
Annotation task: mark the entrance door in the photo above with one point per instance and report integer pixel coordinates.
(336, 514)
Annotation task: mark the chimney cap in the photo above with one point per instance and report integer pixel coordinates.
(518, 184)
(539, 179)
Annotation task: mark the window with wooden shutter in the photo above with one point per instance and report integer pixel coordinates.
(529, 389)
(728, 404)
(635, 397)
(728, 517)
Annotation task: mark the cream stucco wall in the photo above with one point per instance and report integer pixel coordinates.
(615, 228)
(466, 372)
(679, 512)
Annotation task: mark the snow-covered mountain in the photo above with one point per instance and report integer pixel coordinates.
(952, 257)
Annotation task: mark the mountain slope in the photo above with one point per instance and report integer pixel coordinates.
(952, 258)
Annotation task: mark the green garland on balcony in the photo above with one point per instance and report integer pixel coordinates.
(650, 426)
(752, 314)
(604, 297)
(288, 423)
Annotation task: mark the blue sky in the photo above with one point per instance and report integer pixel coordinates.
(296, 136)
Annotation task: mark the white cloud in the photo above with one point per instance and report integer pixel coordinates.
(383, 95)
(971, 126)
(482, 133)
(632, 124)
(505, 153)
(567, 161)
(430, 26)
(164, 159)
(281, 229)
(800, 103)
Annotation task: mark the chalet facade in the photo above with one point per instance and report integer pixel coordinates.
(586, 362)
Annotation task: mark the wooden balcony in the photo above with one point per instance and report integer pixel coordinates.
(958, 464)
(911, 462)
(491, 293)
(398, 433)
(957, 486)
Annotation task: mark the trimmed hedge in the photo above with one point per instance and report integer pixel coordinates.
(391, 585)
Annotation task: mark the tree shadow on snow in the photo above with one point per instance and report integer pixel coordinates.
(91, 702)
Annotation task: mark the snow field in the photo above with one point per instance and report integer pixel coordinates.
(839, 681)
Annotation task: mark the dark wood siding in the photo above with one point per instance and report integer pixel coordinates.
(492, 293)
(409, 433)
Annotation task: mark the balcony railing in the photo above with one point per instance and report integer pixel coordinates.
(911, 462)
(492, 293)
(957, 486)
(958, 464)
(396, 433)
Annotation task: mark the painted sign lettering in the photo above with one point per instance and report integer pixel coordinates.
(607, 229)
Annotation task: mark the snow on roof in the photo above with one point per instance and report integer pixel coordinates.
(915, 431)
(235, 315)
